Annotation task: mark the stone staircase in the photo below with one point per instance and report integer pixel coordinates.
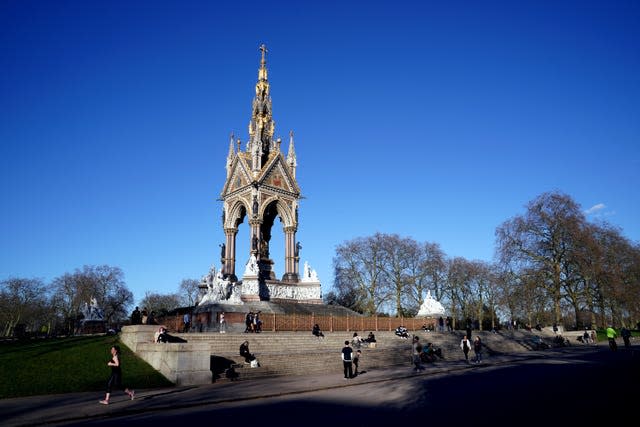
(301, 353)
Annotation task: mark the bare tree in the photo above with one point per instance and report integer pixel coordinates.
(426, 270)
(359, 269)
(397, 253)
(493, 295)
(480, 282)
(160, 304)
(460, 275)
(189, 290)
(541, 239)
(104, 283)
(435, 268)
(21, 301)
(618, 278)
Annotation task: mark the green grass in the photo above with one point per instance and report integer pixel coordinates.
(64, 365)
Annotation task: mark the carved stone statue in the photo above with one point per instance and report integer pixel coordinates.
(251, 269)
(264, 249)
(309, 274)
(305, 274)
(297, 250)
(218, 287)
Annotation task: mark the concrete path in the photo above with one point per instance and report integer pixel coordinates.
(82, 408)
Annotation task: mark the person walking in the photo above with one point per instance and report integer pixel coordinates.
(257, 323)
(626, 337)
(611, 336)
(186, 319)
(465, 345)
(416, 349)
(477, 349)
(223, 323)
(347, 360)
(248, 321)
(115, 379)
(356, 361)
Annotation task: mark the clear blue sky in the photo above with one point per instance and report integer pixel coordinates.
(431, 120)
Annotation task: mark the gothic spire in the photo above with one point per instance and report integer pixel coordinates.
(261, 125)
(230, 155)
(291, 156)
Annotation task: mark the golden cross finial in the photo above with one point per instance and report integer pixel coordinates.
(263, 49)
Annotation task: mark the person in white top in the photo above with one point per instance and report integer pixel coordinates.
(223, 324)
(465, 345)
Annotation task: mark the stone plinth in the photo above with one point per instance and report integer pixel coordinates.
(181, 363)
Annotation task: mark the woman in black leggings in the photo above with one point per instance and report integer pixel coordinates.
(115, 379)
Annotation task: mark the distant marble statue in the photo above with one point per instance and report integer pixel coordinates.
(431, 307)
(92, 311)
(251, 268)
(218, 287)
(209, 278)
(309, 274)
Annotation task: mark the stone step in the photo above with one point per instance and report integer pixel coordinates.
(298, 354)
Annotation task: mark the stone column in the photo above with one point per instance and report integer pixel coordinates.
(290, 256)
(229, 266)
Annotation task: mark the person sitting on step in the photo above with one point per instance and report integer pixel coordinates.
(402, 332)
(244, 352)
(316, 331)
(370, 338)
(356, 341)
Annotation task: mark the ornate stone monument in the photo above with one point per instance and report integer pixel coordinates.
(93, 320)
(431, 307)
(260, 186)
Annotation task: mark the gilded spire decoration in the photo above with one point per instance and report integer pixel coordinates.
(262, 72)
(261, 125)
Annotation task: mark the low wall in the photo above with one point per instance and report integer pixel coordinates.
(181, 363)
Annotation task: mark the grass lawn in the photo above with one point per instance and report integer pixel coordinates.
(72, 364)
